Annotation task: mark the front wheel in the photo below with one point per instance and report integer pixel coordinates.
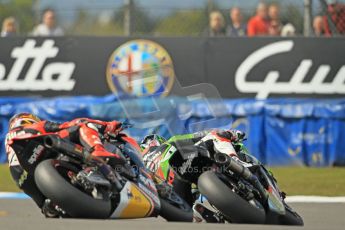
(291, 218)
(234, 207)
(73, 201)
(175, 209)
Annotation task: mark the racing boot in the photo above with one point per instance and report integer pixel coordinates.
(204, 212)
(50, 210)
(117, 163)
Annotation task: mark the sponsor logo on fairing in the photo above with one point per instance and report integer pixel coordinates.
(36, 153)
(187, 164)
(148, 192)
(148, 182)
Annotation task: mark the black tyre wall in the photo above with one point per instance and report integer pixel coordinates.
(76, 203)
(172, 213)
(229, 203)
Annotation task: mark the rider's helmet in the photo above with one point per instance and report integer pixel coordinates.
(22, 119)
(152, 140)
(232, 134)
(238, 134)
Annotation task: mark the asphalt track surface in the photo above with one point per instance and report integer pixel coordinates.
(22, 214)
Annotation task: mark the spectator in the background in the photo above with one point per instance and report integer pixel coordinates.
(275, 25)
(274, 28)
(318, 26)
(258, 24)
(335, 13)
(48, 27)
(217, 25)
(9, 27)
(236, 28)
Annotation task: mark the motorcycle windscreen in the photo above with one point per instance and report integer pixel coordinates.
(275, 202)
(133, 203)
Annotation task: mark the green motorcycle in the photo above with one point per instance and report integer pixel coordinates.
(229, 190)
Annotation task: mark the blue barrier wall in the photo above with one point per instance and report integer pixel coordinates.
(280, 132)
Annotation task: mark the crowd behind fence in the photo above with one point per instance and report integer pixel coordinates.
(215, 18)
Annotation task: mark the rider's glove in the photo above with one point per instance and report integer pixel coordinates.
(232, 135)
(113, 128)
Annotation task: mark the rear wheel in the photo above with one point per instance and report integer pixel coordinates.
(73, 201)
(234, 207)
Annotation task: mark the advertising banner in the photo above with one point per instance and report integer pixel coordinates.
(135, 67)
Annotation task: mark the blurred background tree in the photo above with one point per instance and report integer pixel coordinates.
(143, 23)
(150, 17)
(100, 25)
(294, 15)
(191, 22)
(22, 10)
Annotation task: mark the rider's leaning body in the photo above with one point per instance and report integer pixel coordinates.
(216, 141)
(83, 131)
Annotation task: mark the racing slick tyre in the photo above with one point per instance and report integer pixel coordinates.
(173, 213)
(234, 207)
(73, 201)
(289, 218)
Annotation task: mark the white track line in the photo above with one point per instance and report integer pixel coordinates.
(289, 199)
(13, 195)
(315, 199)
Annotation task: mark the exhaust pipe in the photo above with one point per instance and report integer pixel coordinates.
(241, 171)
(49, 142)
(222, 159)
(58, 144)
(235, 167)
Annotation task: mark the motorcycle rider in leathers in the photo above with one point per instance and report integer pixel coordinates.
(82, 131)
(214, 140)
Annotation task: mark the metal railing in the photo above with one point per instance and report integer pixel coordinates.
(171, 18)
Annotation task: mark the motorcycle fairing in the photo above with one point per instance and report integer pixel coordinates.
(30, 150)
(134, 203)
(275, 203)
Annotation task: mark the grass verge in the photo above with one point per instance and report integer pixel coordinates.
(292, 180)
(6, 182)
(311, 181)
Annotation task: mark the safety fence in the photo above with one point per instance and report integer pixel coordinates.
(280, 131)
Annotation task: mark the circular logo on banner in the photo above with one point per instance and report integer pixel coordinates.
(140, 68)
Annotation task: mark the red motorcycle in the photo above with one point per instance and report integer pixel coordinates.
(67, 175)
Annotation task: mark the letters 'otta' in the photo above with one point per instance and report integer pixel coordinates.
(55, 75)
